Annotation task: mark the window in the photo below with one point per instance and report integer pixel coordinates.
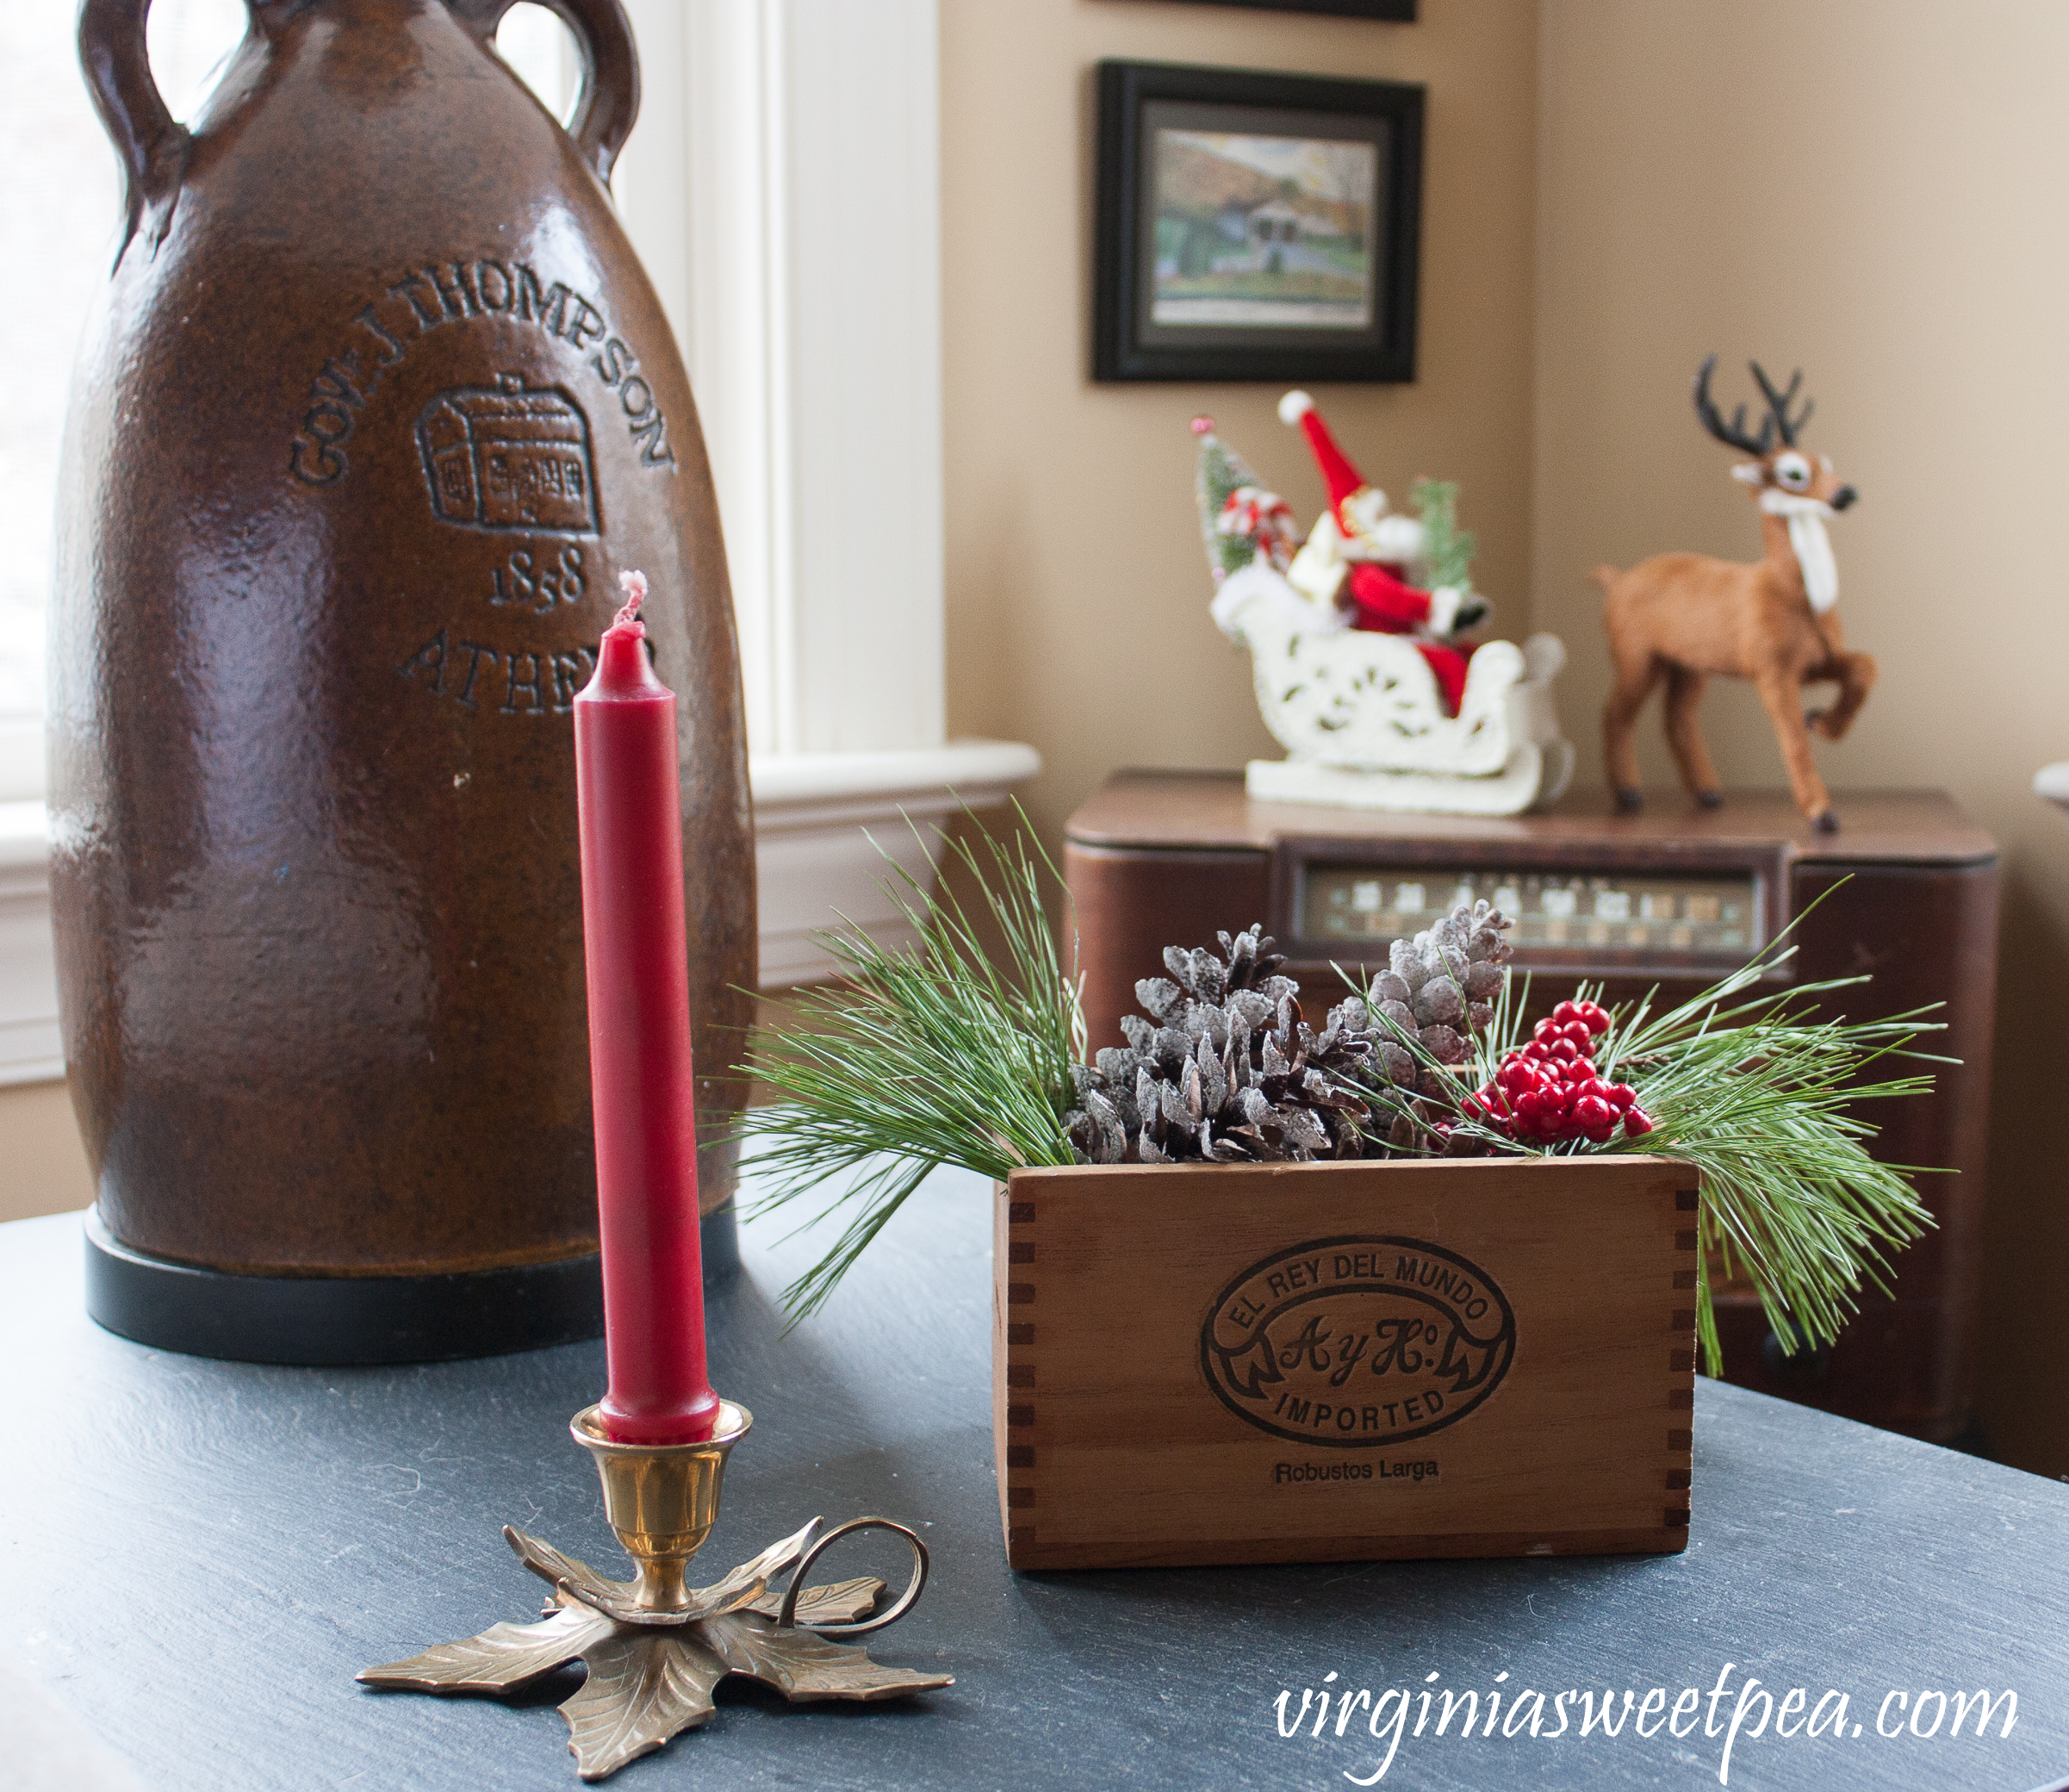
(60, 208)
(778, 140)
(782, 188)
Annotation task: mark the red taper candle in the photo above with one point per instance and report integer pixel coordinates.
(637, 958)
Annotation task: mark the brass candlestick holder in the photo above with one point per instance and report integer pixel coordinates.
(655, 1646)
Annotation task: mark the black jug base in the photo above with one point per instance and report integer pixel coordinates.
(336, 1321)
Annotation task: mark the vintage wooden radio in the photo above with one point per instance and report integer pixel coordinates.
(1666, 898)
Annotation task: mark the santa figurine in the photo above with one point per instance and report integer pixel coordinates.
(1358, 557)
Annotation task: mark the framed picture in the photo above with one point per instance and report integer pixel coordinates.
(1255, 226)
(1400, 12)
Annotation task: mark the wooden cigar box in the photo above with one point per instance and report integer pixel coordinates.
(1198, 1364)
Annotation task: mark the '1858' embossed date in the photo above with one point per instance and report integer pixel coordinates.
(538, 578)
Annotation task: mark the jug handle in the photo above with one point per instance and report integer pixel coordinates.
(152, 143)
(605, 114)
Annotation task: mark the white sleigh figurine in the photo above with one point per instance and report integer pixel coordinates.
(1361, 712)
(1362, 722)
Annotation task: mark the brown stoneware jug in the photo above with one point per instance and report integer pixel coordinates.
(376, 407)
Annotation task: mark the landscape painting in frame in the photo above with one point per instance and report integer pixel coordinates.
(1255, 225)
(1399, 12)
(1263, 232)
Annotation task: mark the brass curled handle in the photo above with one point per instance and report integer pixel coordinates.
(786, 1617)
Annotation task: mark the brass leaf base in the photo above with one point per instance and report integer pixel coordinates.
(652, 1667)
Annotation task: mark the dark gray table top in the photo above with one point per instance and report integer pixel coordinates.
(200, 1555)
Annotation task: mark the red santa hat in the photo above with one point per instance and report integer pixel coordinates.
(1343, 479)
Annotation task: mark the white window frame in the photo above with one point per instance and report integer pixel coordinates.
(787, 205)
(783, 189)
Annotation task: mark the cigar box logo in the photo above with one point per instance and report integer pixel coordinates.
(1358, 1343)
(509, 456)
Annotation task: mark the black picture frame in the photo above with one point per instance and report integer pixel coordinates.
(1130, 342)
(1398, 12)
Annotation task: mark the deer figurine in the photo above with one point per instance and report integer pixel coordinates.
(1686, 617)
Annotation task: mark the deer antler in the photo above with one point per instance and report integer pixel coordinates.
(1778, 403)
(1732, 434)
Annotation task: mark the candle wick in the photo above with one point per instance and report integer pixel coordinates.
(634, 585)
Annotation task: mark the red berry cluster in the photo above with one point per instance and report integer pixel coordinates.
(1549, 1091)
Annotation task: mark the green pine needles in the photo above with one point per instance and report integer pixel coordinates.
(942, 1052)
(938, 1053)
(1759, 1094)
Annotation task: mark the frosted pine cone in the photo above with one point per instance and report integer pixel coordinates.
(1440, 987)
(1224, 1070)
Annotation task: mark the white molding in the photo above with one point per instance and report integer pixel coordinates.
(813, 263)
(733, 304)
(806, 290)
(31, 1050)
(794, 789)
(651, 180)
(867, 661)
(826, 822)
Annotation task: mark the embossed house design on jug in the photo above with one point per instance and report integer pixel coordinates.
(509, 456)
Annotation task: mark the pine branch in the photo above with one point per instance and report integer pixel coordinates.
(925, 1055)
(941, 1052)
(1756, 1093)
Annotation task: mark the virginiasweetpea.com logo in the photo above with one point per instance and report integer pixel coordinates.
(1727, 1717)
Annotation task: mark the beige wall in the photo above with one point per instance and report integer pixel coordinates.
(1870, 187)
(42, 1164)
(1874, 188)
(1078, 591)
